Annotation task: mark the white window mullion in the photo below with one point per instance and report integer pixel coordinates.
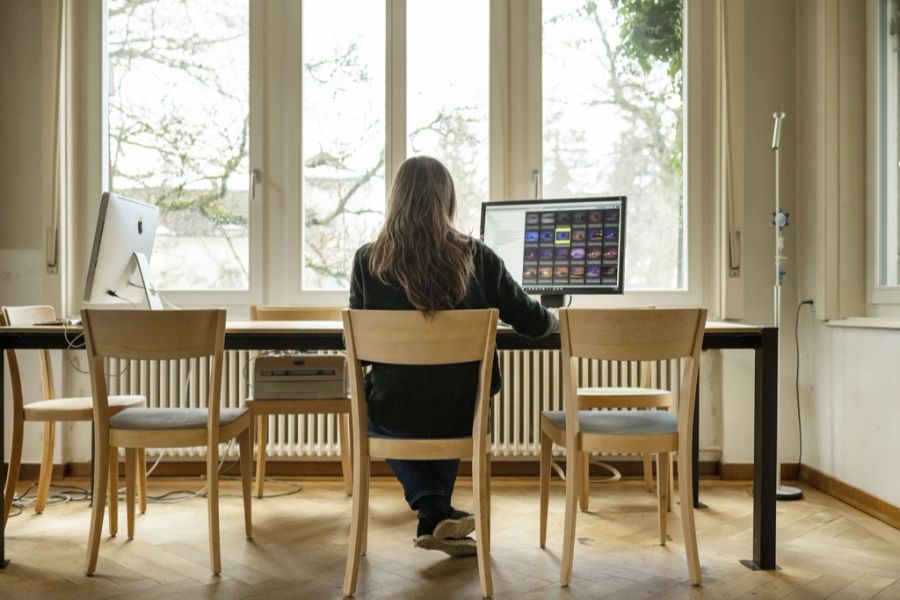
(523, 144)
(395, 91)
(278, 87)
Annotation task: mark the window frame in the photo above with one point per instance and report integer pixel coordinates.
(880, 296)
(253, 294)
(276, 234)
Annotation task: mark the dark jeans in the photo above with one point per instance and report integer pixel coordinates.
(421, 478)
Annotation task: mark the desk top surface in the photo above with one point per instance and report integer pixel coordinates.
(331, 327)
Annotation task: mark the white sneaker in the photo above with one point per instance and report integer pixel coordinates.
(454, 547)
(456, 528)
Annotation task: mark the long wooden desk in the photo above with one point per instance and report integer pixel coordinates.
(292, 335)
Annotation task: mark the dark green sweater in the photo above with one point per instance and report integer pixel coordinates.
(439, 400)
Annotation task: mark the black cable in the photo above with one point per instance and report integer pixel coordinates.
(797, 379)
(120, 297)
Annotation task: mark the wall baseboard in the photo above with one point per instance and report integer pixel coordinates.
(631, 469)
(332, 468)
(31, 471)
(855, 497)
(744, 472)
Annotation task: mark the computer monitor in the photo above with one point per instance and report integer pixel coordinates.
(558, 247)
(120, 259)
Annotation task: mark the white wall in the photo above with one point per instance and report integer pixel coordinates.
(24, 196)
(762, 52)
(851, 405)
(849, 377)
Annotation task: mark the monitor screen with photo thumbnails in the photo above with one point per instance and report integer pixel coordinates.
(558, 247)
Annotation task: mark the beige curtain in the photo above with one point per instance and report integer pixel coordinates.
(729, 54)
(56, 10)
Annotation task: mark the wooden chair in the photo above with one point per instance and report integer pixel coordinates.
(49, 411)
(409, 338)
(634, 335)
(261, 408)
(162, 335)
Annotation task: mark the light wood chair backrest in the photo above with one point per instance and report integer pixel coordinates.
(632, 335)
(153, 335)
(295, 313)
(23, 316)
(408, 337)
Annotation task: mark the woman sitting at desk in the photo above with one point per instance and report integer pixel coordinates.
(421, 261)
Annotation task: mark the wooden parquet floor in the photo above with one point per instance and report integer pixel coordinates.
(825, 548)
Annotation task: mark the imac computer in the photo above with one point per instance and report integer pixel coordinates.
(558, 247)
(120, 259)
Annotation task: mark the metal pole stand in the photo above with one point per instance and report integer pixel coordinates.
(780, 219)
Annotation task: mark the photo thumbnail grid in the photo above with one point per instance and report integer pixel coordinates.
(572, 248)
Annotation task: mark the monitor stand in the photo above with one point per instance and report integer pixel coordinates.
(143, 269)
(552, 300)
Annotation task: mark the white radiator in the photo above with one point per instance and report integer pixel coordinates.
(531, 383)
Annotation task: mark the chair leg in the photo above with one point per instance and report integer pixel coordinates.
(15, 463)
(142, 477)
(346, 454)
(98, 506)
(43, 490)
(584, 492)
(245, 443)
(262, 434)
(212, 505)
(130, 476)
(479, 479)
(546, 458)
(671, 479)
(364, 548)
(648, 472)
(113, 491)
(573, 483)
(662, 489)
(686, 496)
(357, 524)
(487, 504)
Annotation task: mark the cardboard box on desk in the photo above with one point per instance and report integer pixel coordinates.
(300, 376)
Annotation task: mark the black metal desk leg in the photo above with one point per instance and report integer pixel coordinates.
(3, 466)
(695, 449)
(765, 451)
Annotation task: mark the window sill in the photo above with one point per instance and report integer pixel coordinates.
(865, 323)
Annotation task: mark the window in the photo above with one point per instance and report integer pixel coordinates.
(179, 133)
(343, 89)
(612, 123)
(447, 96)
(324, 98)
(888, 220)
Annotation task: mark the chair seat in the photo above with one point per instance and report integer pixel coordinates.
(618, 422)
(171, 418)
(76, 409)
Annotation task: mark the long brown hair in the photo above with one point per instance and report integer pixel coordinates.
(418, 246)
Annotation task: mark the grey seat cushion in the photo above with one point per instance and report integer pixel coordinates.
(170, 418)
(619, 422)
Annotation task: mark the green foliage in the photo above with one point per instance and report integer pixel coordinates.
(652, 31)
(894, 16)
